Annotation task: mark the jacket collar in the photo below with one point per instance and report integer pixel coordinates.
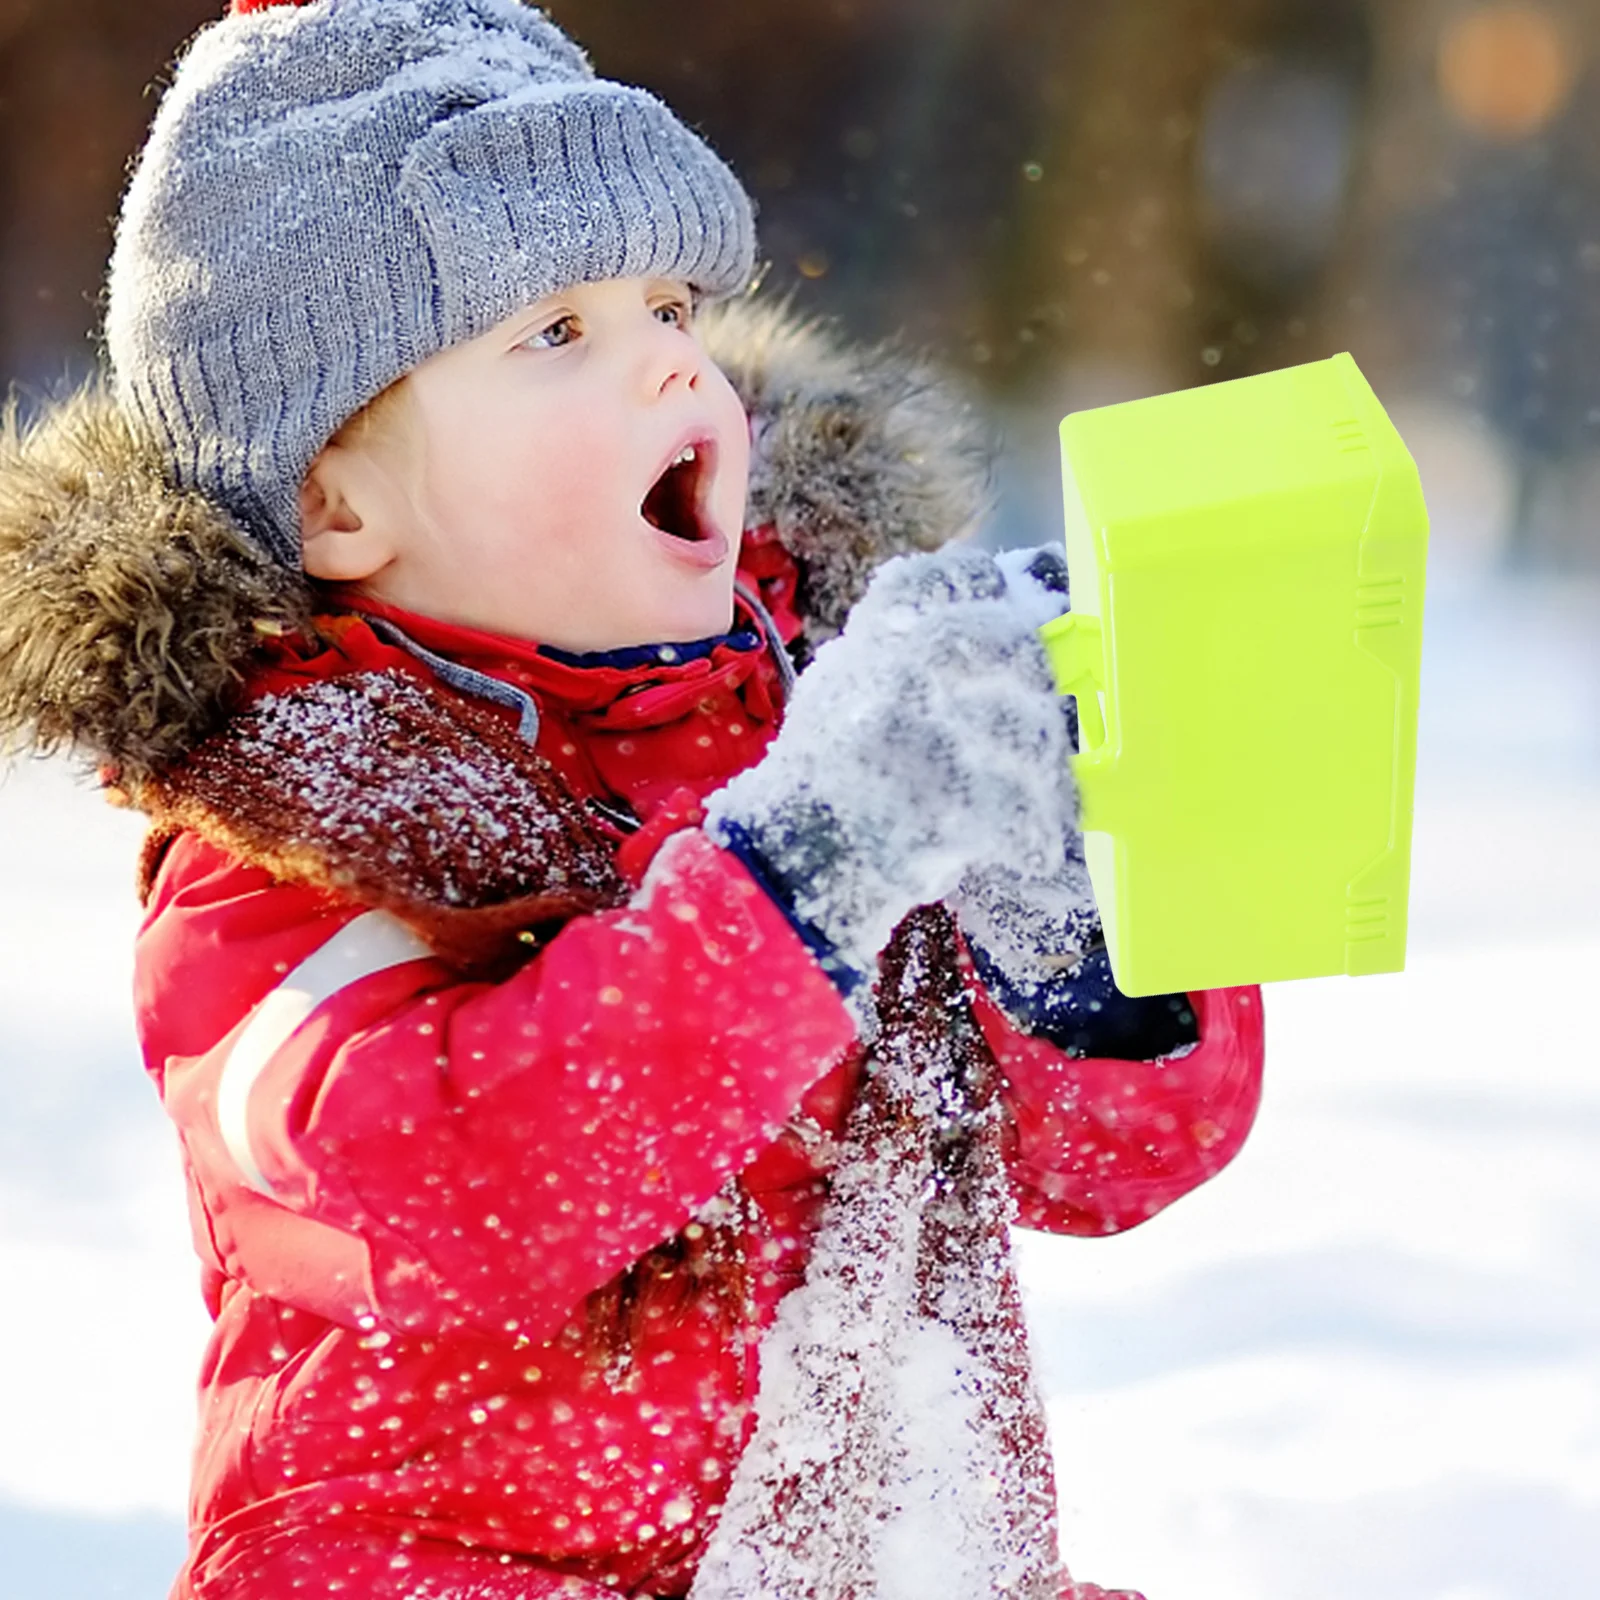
(632, 689)
(637, 688)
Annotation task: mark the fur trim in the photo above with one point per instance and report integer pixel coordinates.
(860, 454)
(129, 610)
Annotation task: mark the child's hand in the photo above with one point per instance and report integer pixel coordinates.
(1029, 928)
(1032, 926)
(925, 741)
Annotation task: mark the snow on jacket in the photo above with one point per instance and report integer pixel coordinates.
(404, 1198)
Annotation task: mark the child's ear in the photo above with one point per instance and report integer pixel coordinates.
(343, 533)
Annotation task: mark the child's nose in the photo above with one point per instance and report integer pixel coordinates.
(673, 360)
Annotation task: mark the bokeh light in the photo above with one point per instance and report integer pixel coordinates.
(1507, 70)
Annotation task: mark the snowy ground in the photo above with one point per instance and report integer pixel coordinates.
(1363, 1364)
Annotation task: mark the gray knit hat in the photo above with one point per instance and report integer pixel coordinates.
(332, 192)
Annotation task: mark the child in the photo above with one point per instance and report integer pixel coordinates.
(600, 1143)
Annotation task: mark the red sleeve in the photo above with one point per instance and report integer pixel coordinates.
(1096, 1145)
(425, 1152)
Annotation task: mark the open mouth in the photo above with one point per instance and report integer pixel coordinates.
(675, 503)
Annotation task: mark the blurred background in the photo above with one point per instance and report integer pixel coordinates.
(1365, 1361)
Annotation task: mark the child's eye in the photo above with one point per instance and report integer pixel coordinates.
(675, 313)
(551, 337)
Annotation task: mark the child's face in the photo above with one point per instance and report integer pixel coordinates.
(529, 487)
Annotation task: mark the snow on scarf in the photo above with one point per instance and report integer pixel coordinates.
(900, 1450)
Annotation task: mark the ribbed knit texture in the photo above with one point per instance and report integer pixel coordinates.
(386, 792)
(333, 192)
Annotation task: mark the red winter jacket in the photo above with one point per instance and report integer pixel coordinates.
(403, 1198)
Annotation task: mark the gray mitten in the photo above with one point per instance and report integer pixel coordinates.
(1027, 926)
(1028, 929)
(1035, 935)
(925, 741)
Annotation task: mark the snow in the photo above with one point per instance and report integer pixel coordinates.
(1387, 1310)
(479, 832)
(1364, 1361)
(100, 1343)
(930, 1545)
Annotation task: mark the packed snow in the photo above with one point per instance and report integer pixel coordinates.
(1363, 1361)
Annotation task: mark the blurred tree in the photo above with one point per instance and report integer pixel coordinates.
(72, 109)
(884, 141)
(1469, 271)
(1187, 198)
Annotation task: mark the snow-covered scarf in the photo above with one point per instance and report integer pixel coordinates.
(900, 1451)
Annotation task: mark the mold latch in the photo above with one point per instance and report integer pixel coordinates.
(1076, 648)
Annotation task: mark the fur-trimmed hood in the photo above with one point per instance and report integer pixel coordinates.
(129, 611)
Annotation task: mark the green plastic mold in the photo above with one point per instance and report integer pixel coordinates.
(1247, 565)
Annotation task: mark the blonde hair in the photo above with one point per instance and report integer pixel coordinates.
(389, 417)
